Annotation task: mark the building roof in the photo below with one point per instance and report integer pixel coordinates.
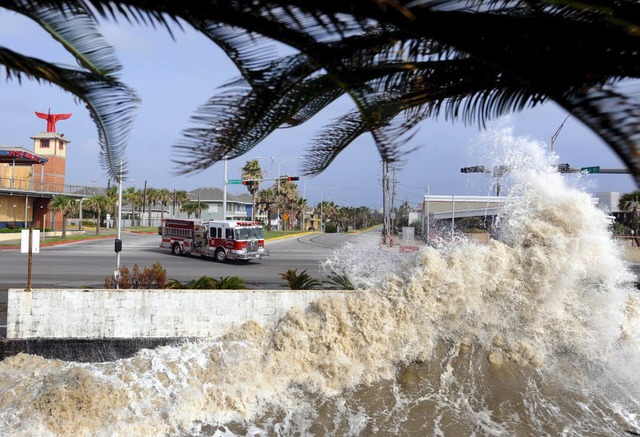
(19, 155)
(50, 136)
(216, 194)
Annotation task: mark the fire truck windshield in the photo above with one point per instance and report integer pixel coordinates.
(249, 234)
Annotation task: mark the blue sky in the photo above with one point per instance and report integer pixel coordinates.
(173, 78)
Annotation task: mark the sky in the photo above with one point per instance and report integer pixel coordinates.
(173, 77)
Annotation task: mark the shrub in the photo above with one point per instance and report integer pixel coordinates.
(209, 283)
(330, 228)
(230, 283)
(300, 281)
(341, 281)
(154, 277)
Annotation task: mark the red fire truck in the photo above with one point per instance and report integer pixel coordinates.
(220, 239)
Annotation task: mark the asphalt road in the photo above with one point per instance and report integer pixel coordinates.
(88, 263)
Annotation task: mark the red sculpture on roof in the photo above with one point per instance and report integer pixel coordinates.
(51, 119)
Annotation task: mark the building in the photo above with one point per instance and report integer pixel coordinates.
(30, 179)
(238, 206)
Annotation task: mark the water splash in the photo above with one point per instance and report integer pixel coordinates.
(535, 333)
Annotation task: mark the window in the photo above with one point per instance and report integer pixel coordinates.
(229, 234)
(44, 144)
(60, 145)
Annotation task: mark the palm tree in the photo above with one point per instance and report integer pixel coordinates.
(267, 201)
(181, 197)
(300, 207)
(152, 198)
(287, 198)
(329, 212)
(131, 196)
(253, 172)
(97, 203)
(400, 62)
(190, 208)
(65, 205)
(164, 197)
(630, 203)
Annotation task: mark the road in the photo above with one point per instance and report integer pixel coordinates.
(88, 263)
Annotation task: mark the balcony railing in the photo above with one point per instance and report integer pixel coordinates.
(30, 186)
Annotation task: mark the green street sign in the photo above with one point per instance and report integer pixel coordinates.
(590, 170)
(234, 181)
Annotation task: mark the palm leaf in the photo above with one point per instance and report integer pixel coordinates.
(73, 26)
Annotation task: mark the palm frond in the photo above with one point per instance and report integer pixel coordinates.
(73, 26)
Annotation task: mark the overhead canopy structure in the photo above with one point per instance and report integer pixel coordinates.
(19, 155)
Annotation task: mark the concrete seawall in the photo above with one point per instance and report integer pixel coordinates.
(104, 325)
(98, 314)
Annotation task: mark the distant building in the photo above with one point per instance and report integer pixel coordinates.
(238, 206)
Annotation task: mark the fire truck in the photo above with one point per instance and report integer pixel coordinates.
(220, 239)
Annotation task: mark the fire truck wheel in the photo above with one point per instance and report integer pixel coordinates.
(176, 249)
(221, 255)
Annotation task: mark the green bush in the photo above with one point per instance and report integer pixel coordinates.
(330, 228)
(341, 281)
(209, 283)
(300, 281)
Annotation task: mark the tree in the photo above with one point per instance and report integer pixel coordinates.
(190, 208)
(267, 201)
(65, 205)
(97, 203)
(300, 207)
(287, 197)
(630, 203)
(181, 197)
(131, 196)
(153, 196)
(164, 197)
(252, 170)
(400, 62)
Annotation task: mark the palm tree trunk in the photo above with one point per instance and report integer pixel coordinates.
(64, 225)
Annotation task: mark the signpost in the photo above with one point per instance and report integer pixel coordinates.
(29, 243)
(590, 170)
(234, 181)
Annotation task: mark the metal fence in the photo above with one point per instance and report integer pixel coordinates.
(30, 185)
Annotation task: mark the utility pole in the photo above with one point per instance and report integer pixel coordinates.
(144, 200)
(393, 201)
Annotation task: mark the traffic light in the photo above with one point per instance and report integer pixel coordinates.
(244, 182)
(476, 169)
(290, 178)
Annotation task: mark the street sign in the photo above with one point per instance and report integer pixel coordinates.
(590, 170)
(234, 181)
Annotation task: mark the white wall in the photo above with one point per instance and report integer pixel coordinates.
(92, 314)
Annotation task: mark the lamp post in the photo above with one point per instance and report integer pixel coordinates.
(118, 242)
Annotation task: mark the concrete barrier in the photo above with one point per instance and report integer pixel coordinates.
(99, 314)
